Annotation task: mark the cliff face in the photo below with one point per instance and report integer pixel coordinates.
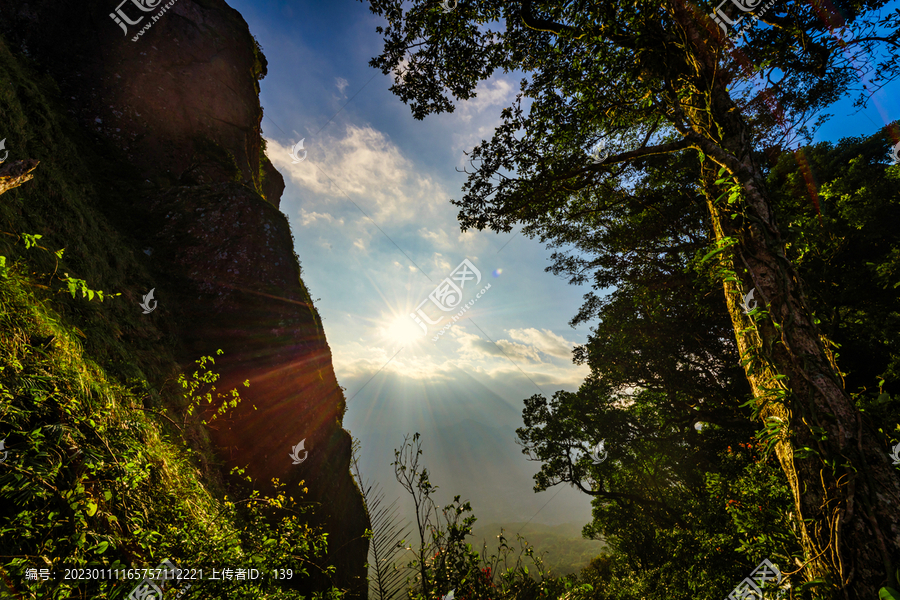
(178, 110)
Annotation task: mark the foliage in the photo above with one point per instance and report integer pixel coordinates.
(444, 561)
(73, 284)
(91, 481)
(386, 538)
(563, 549)
(887, 593)
(204, 376)
(848, 248)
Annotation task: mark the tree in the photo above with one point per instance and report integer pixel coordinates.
(673, 504)
(652, 333)
(661, 78)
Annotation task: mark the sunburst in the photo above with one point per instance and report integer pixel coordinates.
(403, 330)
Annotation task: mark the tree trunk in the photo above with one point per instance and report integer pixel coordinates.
(846, 492)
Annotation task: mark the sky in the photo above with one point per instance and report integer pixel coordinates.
(369, 207)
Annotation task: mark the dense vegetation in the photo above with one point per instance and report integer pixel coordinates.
(737, 431)
(108, 466)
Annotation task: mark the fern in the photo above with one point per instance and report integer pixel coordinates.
(386, 539)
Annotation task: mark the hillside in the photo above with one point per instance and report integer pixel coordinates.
(142, 182)
(563, 549)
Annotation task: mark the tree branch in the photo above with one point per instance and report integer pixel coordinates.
(16, 173)
(539, 24)
(646, 151)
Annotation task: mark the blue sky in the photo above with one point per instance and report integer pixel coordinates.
(375, 231)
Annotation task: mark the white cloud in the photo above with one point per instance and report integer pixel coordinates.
(545, 341)
(494, 92)
(307, 217)
(462, 348)
(364, 168)
(448, 241)
(475, 347)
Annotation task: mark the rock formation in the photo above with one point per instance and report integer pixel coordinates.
(179, 110)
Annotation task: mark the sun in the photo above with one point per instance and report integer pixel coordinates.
(403, 330)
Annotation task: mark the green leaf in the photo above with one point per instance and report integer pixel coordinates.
(92, 509)
(101, 547)
(887, 593)
(31, 240)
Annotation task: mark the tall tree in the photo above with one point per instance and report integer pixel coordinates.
(661, 360)
(661, 77)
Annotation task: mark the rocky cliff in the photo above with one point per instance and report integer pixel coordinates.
(177, 115)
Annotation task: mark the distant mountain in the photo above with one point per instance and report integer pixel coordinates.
(469, 447)
(561, 547)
